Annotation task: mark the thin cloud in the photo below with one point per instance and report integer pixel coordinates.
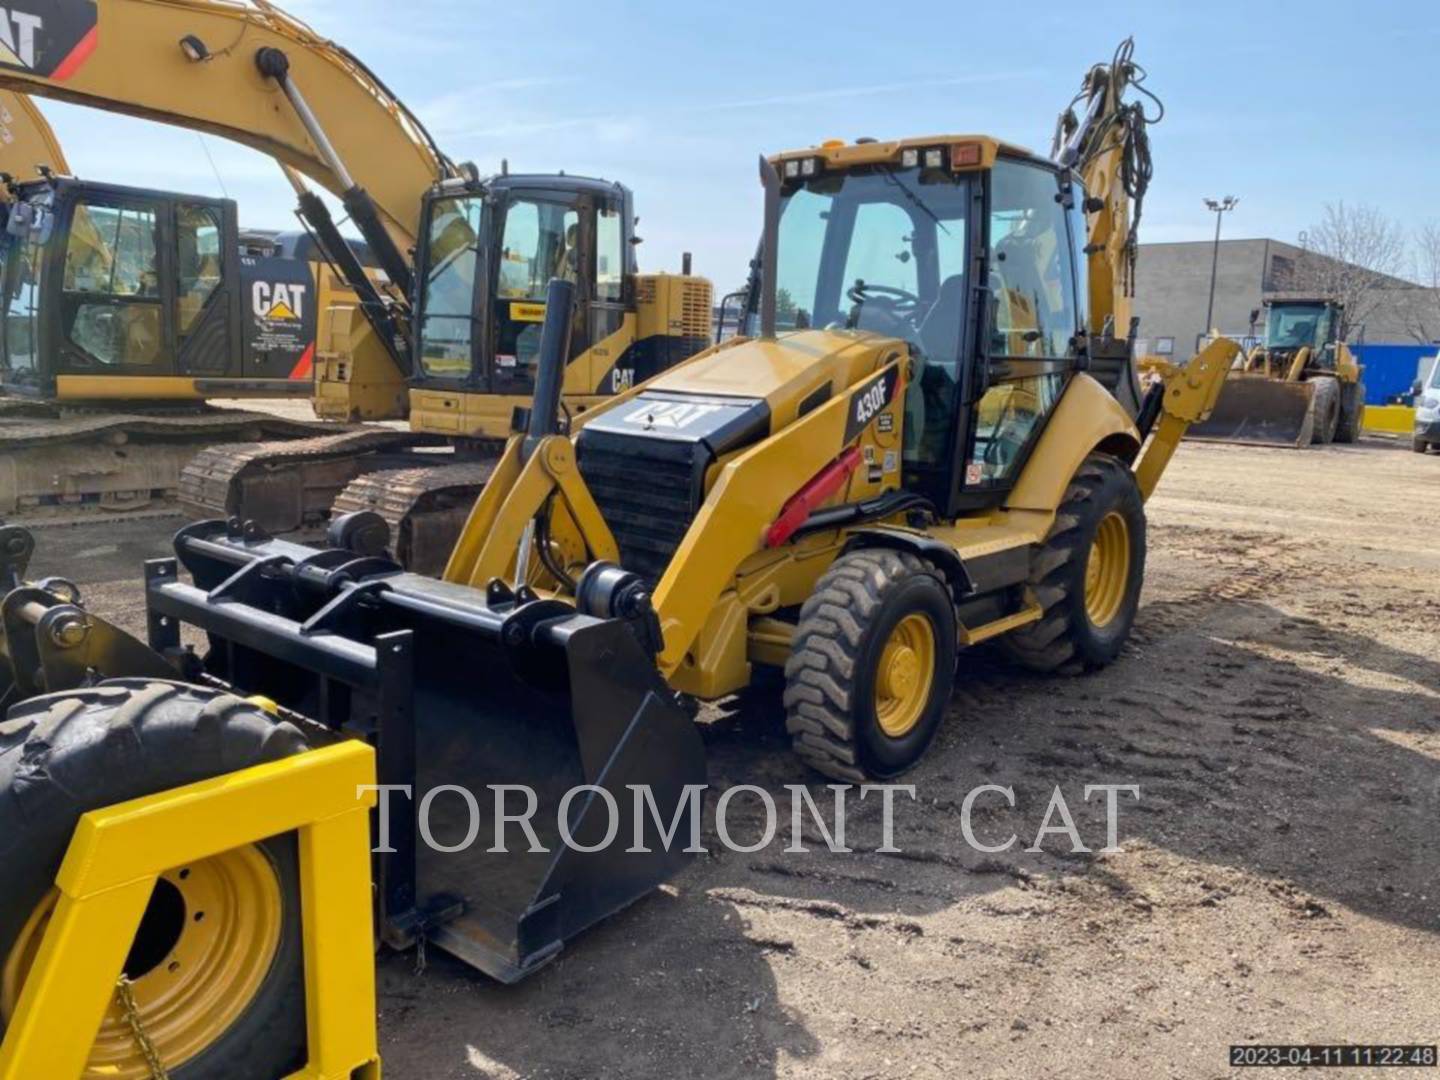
(539, 125)
(834, 93)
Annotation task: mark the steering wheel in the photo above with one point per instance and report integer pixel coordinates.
(897, 305)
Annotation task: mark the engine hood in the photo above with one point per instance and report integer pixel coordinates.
(793, 373)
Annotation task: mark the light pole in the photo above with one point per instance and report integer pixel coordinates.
(1218, 207)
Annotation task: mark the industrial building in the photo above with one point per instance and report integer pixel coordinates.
(1173, 292)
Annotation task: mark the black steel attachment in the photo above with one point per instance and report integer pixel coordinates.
(488, 707)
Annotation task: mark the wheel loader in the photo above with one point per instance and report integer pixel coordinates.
(1300, 386)
(945, 444)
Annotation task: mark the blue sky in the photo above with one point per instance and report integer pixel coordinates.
(1287, 105)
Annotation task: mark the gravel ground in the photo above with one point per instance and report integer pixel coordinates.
(1279, 709)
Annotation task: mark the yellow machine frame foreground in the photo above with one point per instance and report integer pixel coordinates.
(110, 870)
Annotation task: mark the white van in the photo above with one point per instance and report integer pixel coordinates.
(1427, 405)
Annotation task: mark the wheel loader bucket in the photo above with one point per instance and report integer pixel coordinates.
(494, 709)
(1260, 411)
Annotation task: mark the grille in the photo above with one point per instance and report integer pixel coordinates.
(695, 310)
(645, 286)
(646, 499)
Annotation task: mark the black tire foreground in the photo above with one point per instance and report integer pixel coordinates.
(830, 676)
(65, 754)
(1064, 640)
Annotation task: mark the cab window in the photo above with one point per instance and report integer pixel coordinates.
(541, 241)
(198, 236)
(609, 256)
(448, 288)
(1033, 319)
(111, 307)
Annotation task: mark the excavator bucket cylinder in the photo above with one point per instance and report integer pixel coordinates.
(1256, 410)
(548, 775)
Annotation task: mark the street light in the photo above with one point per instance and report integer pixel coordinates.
(1218, 208)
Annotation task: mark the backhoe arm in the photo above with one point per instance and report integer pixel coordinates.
(1110, 153)
(245, 73)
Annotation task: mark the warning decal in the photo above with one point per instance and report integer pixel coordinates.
(51, 38)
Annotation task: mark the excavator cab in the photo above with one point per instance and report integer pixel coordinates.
(488, 251)
(117, 292)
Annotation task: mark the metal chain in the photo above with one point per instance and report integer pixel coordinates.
(126, 997)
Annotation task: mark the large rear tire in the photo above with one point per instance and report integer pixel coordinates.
(1327, 409)
(1352, 412)
(1087, 575)
(872, 666)
(216, 969)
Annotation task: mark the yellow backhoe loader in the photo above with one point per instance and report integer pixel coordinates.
(949, 446)
(1300, 386)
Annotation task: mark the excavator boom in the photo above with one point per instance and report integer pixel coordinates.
(196, 64)
(27, 142)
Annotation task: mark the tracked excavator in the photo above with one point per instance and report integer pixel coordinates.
(126, 310)
(489, 247)
(455, 345)
(1301, 385)
(947, 444)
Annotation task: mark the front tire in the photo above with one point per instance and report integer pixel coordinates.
(1352, 412)
(1327, 409)
(215, 969)
(872, 666)
(1087, 575)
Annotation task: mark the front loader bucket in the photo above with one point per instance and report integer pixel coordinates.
(486, 706)
(1255, 410)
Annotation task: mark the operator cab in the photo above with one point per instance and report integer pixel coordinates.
(100, 281)
(538, 228)
(980, 270)
(1298, 324)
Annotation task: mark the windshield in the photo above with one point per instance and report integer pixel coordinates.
(870, 248)
(1296, 325)
(448, 285)
(28, 227)
(541, 242)
(884, 249)
(1435, 374)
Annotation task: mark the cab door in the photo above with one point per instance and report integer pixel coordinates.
(1028, 347)
(114, 318)
(543, 235)
(206, 259)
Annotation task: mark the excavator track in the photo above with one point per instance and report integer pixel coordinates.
(425, 506)
(284, 486)
(79, 464)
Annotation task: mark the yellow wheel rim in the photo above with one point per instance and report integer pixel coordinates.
(1107, 573)
(905, 675)
(204, 947)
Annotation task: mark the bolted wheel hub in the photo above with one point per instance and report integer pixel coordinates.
(905, 674)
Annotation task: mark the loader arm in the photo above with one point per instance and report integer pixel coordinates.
(27, 141)
(127, 56)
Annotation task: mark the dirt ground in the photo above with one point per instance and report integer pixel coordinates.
(1279, 878)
